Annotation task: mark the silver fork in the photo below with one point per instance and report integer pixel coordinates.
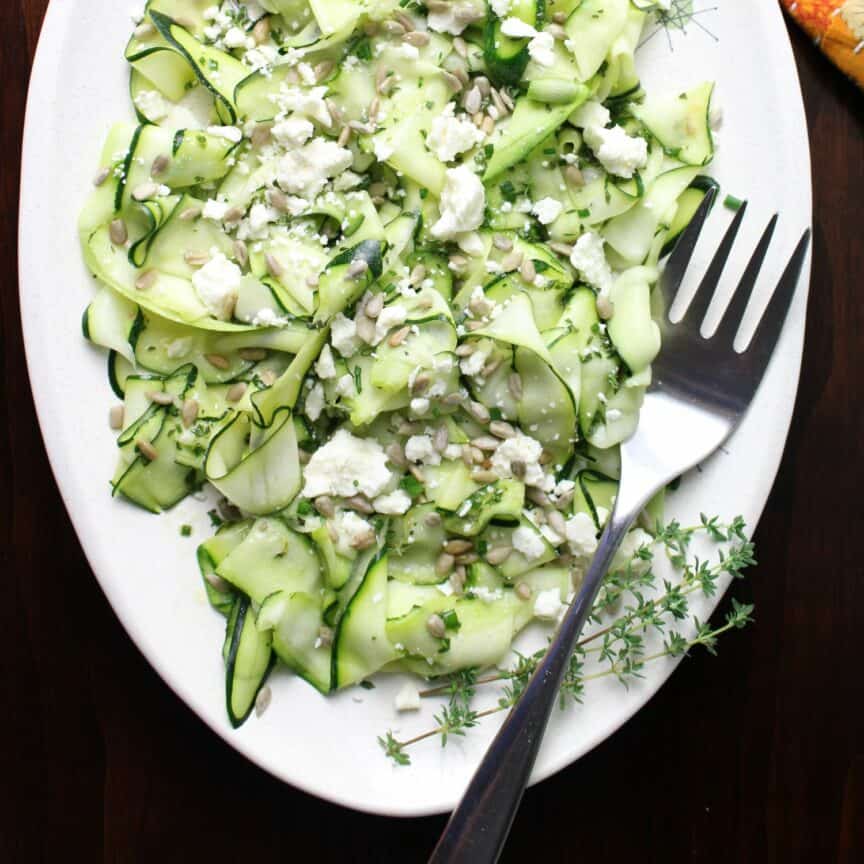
(702, 388)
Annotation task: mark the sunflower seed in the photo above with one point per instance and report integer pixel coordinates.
(477, 119)
(458, 547)
(261, 30)
(488, 125)
(458, 263)
(364, 541)
(158, 397)
(146, 280)
(557, 31)
(160, 165)
(335, 113)
(279, 200)
(234, 214)
(483, 85)
(195, 257)
(101, 177)
(514, 385)
(518, 469)
(441, 439)
(454, 398)
(505, 244)
(546, 458)
(217, 583)
(241, 253)
(384, 80)
(118, 232)
(574, 176)
(467, 455)
(393, 28)
(436, 627)
(189, 412)
(538, 497)
(557, 524)
(399, 337)
(360, 504)
(498, 102)
(474, 325)
(559, 17)
(509, 104)
(466, 349)
(461, 73)
(405, 20)
(485, 442)
(444, 564)
(458, 578)
(452, 82)
(491, 367)
(365, 329)
(523, 591)
(564, 249)
(472, 100)
(116, 416)
(261, 135)
(605, 307)
(433, 519)
(417, 473)
(484, 477)
(190, 214)
(325, 506)
(418, 274)
(374, 306)
(479, 412)
(323, 70)
(417, 38)
(498, 555)
(357, 268)
(263, 700)
(460, 46)
(145, 191)
(396, 455)
(325, 634)
(146, 449)
(511, 262)
(528, 271)
(406, 428)
(478, 456)
(502, 429)
(236, 392)
(217, 361)
(274, 268)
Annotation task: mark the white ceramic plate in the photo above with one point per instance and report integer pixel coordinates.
(148, 573)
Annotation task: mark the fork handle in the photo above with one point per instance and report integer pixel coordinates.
(478, 828)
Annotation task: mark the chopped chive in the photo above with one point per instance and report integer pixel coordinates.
(185, 530)
(732, 203)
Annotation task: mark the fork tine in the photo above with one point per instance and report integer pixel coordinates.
(734, 314)
(701, 301)
(679, 260)
(760, 349)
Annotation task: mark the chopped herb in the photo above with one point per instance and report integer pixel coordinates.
(732, 203)
(185, 530)
(411, 485)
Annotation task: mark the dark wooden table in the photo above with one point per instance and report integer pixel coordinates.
(756, 756)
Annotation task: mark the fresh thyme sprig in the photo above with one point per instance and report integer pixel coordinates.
(620, 646)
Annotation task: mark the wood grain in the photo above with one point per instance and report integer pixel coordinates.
(755, 756)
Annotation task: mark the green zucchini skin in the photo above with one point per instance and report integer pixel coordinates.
(507, 58)
(244, 680)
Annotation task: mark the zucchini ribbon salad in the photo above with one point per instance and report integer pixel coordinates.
(381, 273)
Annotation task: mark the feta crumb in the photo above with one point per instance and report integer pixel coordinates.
(542, 49)
(314, 403)
(408, 698)
(592, 114)
(451, 135)
(151, 104)
(217, 285)
(343, 335)
(215, 209)
(527, 541)
(229, 133)
(619, 153)
(346, 466)
(345, 386)
(462, 205)
(582, 535)
(524, 449)
(501, 7)
(547, 210)
(547, 604)
(305, 171)
(308, 101)
(455, 16)
(420, 405)
(325, 367)
(293, 131)
(589, 259)
(474, 363)
(390, 317)
(487, 595)
(419, 448)
(394, 504)
(350, 529)
(516, 28)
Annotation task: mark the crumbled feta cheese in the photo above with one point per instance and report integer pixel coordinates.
(261, 57)
(217, 284)
(520, 448)
(151, 104)
(325, 367)
(592, 114)
(463, 201)
(471, 243)
(266, 318)
(619, 153)
(383, 148)
(215, 209)
(351, 529)
(474, 363)
(343, 335)
(547, 604)
(347, 180)
(293, 131)
(613, 414)
(256, 226)
(455, 16)
(310, 102)
(314, 403)
(516, 28)
(394, 504)
(589, 259)
(409, 52)
(229, 133)
(346, 386)
(542, 49)
(347, 466)
(487, 595)
(420, 405)
(501, 7)
(527, 541)
(547, 210)
(451, 135)
(235, 38)
(390, 317)
(305, 171)
(582, 535)
(419, 448)
(408, 698)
